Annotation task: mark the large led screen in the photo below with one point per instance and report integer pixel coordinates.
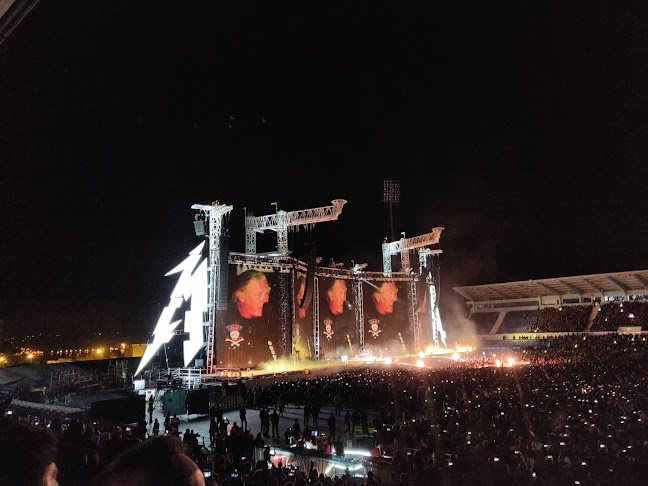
(386, 322)
(302, 333)
(337, 334)
(250, 329)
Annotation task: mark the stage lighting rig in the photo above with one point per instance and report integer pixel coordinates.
(199, 224)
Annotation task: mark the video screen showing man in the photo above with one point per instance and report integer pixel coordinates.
(386, 323)
(337, 319)
(303, 324)
(245, 328)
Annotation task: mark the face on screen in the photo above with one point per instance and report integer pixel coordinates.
(252, 297)
(385, 297)
(336, 296)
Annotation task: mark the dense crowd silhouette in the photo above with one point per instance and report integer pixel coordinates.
(570, 412)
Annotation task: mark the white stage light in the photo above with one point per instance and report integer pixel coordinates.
(182, 291)
(194, 317)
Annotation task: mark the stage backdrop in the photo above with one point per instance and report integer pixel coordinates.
(336, 318)
(302, 331)
(249, 330)
(386, 321)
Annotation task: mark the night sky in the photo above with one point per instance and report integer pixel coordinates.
(523, 130)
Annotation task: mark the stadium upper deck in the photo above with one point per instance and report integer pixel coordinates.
(579, 289)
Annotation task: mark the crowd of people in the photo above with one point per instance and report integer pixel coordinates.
(563, 319)
(613, 315)
(570, 412)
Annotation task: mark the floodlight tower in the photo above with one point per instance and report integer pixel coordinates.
(215, 213)
(391, 194)
(403, 246)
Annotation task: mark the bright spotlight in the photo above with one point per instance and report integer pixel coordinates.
(498, 363)
(455, 356)
(388, 360)
(421, 355)
(429, 350)
(419, 363)
(511, 361)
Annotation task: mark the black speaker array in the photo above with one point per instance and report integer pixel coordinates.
(311, 258)
(223, 296)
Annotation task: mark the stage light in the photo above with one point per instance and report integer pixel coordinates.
(511, 361)
(388, 360)
(199, 224)
(421, 355)
(419, 363)
(429, 350)
(165, 327)
(498, 363)
(455, 356)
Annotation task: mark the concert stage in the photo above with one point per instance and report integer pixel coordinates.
(247, 314)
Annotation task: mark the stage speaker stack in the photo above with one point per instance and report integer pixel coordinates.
(223, 271)
(311, 259)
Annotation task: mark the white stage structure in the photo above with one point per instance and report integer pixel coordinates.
(200, 277)
(404, 246)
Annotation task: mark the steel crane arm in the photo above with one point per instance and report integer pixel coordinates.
(414, 242)
(296, 218)
(316, 215)
(213, 210)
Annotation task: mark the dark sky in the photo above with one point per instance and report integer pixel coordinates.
(523, 130)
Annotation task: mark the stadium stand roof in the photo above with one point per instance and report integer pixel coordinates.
(12, 12)
(627, 283)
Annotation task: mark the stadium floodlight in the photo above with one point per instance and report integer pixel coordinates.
(391, 194)
(391, 191)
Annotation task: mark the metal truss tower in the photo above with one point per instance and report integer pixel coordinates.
(215, 213)
(415, 324)
(282, 221)
(403, 246)
(316, 334)
(285, 299)
(359, 312)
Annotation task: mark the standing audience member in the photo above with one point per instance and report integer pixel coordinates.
(160, 461)
(28, 454)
